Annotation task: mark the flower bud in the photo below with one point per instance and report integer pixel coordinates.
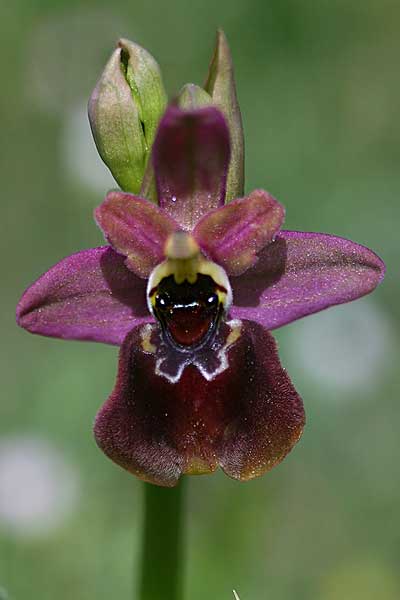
(124, 110)
(193, 96)
(220, 85)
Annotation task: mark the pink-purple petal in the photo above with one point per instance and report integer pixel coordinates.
(136, 228)
(234, 234)
(90, 295)
(191, 158)
(302, 273)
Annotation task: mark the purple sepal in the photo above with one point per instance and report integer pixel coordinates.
(89, 295)
(302, 273)
(191, 158)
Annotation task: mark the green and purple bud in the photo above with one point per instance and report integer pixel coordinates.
(124, 111)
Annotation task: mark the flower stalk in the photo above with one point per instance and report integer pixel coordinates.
(163, 532)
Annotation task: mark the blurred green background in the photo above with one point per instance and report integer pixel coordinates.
(319, 90)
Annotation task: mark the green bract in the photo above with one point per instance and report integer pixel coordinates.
(220, 85)
(124, 111)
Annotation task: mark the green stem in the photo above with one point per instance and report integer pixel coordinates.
(161, 566)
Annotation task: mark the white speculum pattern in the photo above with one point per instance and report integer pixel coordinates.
(170, 363)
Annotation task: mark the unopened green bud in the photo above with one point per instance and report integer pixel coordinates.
(220, 85)
(124, 111)
(193, 96)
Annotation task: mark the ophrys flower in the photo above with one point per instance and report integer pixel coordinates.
(190, 289)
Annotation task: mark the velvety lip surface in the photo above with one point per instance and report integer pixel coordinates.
(246, 419)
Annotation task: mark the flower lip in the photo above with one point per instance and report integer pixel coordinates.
(243, 415)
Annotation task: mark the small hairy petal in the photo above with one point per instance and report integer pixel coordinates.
(90, 295)
(136, 228)
(245, 418)
(191, 157)
(302, 273)
(233, 235)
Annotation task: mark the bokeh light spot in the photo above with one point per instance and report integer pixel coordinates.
(345, 348)
(38, 488)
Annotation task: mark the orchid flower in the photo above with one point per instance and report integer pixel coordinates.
(190, 289)
(190, 283)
